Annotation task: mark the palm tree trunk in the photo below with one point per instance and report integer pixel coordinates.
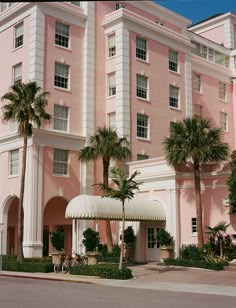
(106, 164)
(197, 183)
(20, 255)
(123, 233)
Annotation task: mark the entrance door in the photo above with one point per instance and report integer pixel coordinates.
(153, 249)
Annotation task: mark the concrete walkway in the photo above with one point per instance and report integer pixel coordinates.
(155, 277)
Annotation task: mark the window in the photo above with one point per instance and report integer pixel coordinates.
(141, 87)
(77, 3)
(142, 126)
(173, 61)
(19, 35)
(142, 156)
(174, 97)
(62, 35)
(223, 121)
(60, 162)
(194, 225)
(111, 83)
(196, 82)
(111, 45)
(222, 91)
(112, 120)
(14, 162)
(60, 118)
(197, 111)
(14, 126)
(61, 78)
(141, 48)
(17, 73)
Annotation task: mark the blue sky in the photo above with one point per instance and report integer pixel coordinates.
(197, 10)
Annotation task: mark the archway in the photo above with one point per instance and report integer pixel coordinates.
(54, 219)
(10, 221)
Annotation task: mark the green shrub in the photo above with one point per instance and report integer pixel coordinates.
(112, 257)
(91, 239)
(191, 252)
(9, 258)
(30, 267)
(57, 239)
(129, 236)
(39, 260)
(195, 263)
(164, 238)
(109, 271)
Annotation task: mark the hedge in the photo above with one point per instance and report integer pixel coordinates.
(109, 271)
(195, 263)
(30, 267)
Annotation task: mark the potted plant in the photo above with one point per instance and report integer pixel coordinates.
(166, 243)
(91, 242)
(57, 240)
(129, 241)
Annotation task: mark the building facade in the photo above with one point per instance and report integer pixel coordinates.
(135, 66)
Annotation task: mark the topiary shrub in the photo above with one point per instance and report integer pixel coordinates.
(57, 239)
(91, 239)
(195, 263)
(129, 236)
(30, 267)
(164, 238)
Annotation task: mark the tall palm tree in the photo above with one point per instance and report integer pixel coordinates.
(24, 103)
(106, 144)
(124, 190)
(198, 141)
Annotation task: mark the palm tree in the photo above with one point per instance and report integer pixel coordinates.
(217, 233)
(106, 144)
(195, 140)
(24, 103)
(124, 190)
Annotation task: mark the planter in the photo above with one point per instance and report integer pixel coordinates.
(129, 253)
(92, 257)
(56, 256)
(166, 252)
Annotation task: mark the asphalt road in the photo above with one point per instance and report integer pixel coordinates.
(20, 292)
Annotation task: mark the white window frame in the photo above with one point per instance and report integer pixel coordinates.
(194, 225)
(142, 128)
(111, 42)
(60, 162)
(14, 162)
(19, 35)
(61, 116)
(111, 120)
(222, 91)
(13, 126)
(174, 97)
(173, 61)
(141, 49)
(141, 87)
(17, 73)
(111, 84)
(62, 35)
(61, 76)
(197, 85)
(224, 121)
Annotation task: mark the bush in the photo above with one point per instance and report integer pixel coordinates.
(109, 271)
(91, 239)
(112, 257)
(57, 239)
(164, 238)
(195, 263)
(30, 267)
(191, 252)
(129, 236)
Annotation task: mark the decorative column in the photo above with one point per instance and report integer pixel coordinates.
(32, 241)
(172, 217)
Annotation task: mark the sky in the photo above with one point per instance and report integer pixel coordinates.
(197, 10)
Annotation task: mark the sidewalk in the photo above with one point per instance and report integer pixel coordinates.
(155, 277)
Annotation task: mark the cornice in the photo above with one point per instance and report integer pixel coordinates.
(133, 19)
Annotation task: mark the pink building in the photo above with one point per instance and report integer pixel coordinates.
(135, 66)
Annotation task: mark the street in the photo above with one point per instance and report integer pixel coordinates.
(33, 293)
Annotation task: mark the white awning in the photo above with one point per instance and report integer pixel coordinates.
(96, 207)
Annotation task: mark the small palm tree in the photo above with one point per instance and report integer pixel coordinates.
(106, 144)
(198, 141)
(24, 103)
(217, 232)
(124, 190)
